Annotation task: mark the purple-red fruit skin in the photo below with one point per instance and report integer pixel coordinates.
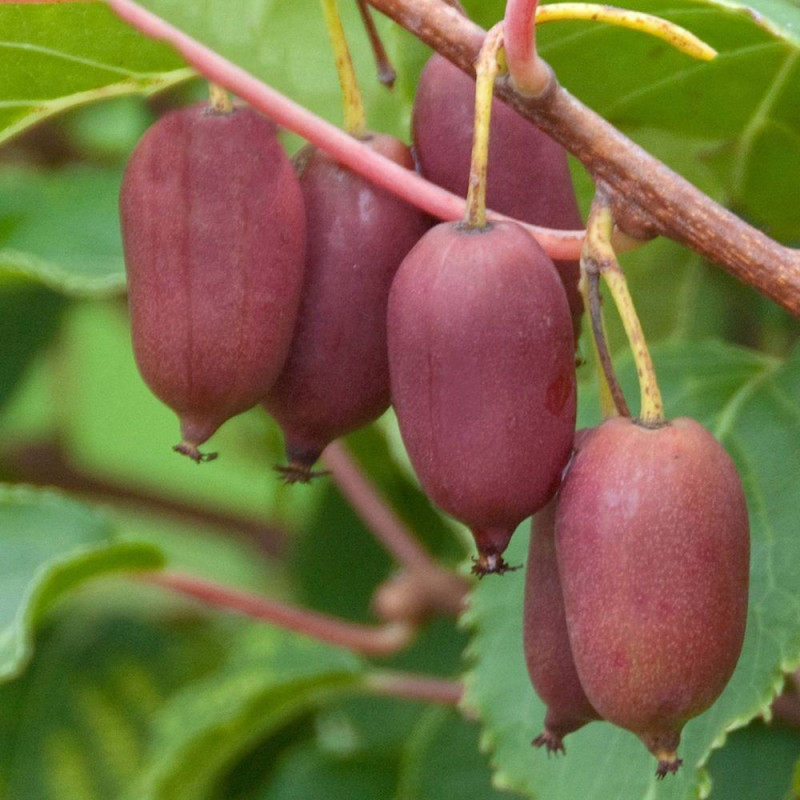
(548, 654)
(482, 376)
(213, 230)
(652, 539)
(336, 377)
(527, 174)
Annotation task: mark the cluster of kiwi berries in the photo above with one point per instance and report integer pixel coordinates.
(304, 288)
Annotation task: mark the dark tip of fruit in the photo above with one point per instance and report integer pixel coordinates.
(667, 763)
(549, 740)
(295, 472)
(491, 563)
(190, 450)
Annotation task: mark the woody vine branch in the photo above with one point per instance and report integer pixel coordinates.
(657, 201)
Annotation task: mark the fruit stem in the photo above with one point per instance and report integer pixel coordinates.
(219, 99)
(386, 72)
(486, 69)
(530, 75)
(352, 103)
(600, 258)
(612, 399)
(370, 640)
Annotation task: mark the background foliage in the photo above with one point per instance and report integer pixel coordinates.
(112, 689)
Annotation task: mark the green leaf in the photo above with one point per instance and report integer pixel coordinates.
(307, 773)
(441, 761)
(50, 545)
(134, 693)
(76, 723)
(437, 760)
(29, 318)
(749, 402)
(756, 763)
(269, 677)
(75, 247)
(54, 57)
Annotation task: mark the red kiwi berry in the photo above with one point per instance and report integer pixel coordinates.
(528, 175)
(652, 541)
(482, 376)
(336, 378)
(548, 654)
(213, 229)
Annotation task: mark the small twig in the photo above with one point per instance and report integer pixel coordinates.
(371, 507)
(416, 687)
(447, 590)
(386, 72)
(378, 641)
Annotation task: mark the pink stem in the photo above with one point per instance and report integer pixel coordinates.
(369, 640)
(372, 508)
(446, 590)
(416, 687)
(529, 73)
(340, 145)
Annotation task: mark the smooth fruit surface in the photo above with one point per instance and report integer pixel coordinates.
(336, 377)
(482, 376)
(652, 540)
(548, 654)
(213, 230)
(527, 174)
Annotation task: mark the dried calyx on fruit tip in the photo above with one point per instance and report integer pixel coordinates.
(548, 654)
(336, 377)
(652, 540)
(491, 544)
(213, 230)
(668, 763)
(482, 376)
(301, 459)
